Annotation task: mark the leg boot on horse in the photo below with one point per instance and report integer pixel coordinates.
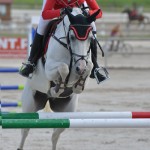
(36, 52)
(95, 73)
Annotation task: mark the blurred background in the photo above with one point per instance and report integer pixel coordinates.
(123, 21)
(124, 34)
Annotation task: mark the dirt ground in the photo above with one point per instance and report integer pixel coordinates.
(126, 90)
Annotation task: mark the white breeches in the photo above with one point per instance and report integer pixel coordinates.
(43, 23)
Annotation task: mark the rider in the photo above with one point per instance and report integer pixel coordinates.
(53, 9)
(136, 10)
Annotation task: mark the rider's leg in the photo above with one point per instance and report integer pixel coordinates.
(36, 49)
(95, 71)
(36, 52)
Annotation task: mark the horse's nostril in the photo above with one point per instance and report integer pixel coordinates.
(77, 69)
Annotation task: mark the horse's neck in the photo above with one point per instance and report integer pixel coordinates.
(61, 53)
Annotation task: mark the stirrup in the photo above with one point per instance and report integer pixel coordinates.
(101, 77)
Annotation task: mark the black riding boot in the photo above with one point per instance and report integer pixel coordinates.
(95, 73)
(36, 52)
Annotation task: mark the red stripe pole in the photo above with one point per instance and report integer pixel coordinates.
(140, 115)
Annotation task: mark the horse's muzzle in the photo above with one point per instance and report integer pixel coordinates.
(81, 67)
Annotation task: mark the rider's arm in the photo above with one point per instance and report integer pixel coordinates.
(49, 12)
(94, 7)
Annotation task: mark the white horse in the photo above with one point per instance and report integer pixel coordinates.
(65, 72)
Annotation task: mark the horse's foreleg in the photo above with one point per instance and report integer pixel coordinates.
(55, 137)
(63, 72)
(57, 74)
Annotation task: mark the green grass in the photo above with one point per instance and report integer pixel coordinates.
(121, 3)
(12, 35)
(30, 4)
(109, 5)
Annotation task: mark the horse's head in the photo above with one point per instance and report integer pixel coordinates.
(79, 38)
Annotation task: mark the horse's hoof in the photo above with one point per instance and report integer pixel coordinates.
(53, 93)
(19, 149)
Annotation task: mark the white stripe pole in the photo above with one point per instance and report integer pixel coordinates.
(109, 123)
(85, 115)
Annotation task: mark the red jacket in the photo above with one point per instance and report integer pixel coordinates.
(52, 7)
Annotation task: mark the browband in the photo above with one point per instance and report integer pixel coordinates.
(81, 31)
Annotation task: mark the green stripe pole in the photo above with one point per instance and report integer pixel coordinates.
(35, 123)
(20, 116)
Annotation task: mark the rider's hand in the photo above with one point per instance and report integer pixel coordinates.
(63, 10)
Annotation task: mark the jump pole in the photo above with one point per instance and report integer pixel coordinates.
(11, 104)
(78, 115)
(11, 87)
(9, 70)
(75, 123)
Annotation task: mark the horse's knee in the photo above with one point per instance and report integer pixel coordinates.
(63, 70)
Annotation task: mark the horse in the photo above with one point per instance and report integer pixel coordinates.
(64, 73)
(140, 18)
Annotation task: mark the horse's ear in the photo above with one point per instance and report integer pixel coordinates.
(92, 18)
(70, 16)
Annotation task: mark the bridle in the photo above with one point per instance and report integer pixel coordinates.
(69, 48)
(68, 45)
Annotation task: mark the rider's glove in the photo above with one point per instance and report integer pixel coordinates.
(63, 11)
